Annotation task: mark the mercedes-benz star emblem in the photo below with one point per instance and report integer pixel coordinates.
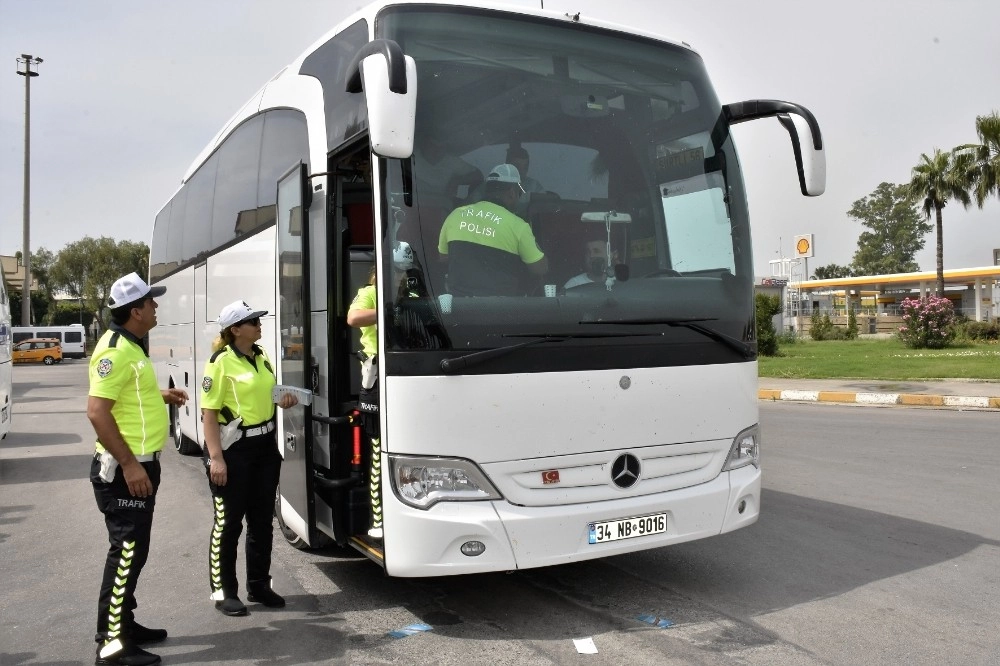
(625, 470)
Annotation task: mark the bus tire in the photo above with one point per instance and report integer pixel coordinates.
(184, 445)
(293, 539)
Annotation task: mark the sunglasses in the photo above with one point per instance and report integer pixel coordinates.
(253, 322)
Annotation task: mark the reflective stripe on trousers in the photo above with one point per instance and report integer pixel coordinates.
(375, 482)
(215, 550)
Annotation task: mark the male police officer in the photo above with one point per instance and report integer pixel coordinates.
(486, 244)
(125, 406)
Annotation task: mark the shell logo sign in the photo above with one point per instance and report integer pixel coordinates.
(804, 246)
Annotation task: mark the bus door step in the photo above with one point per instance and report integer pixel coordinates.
(370, 548)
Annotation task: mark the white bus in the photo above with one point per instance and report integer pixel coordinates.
(549, 427)
(72, 338)
(6, 365)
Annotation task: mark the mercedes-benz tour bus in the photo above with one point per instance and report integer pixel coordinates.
(555, 425)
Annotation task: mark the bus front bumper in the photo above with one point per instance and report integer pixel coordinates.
(429, 543)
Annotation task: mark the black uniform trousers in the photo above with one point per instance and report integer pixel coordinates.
(128, 520)
(253, 466)
(368, 406)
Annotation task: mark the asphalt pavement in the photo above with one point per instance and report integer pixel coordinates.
(945, 393)
(856, 553)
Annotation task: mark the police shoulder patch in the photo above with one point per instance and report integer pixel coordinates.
(206, 384)
(104, 367)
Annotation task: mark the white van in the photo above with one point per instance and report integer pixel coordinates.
(73, 338)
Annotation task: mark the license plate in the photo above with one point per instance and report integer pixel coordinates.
(629, 528)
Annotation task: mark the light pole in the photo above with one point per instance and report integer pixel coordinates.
(27, 61)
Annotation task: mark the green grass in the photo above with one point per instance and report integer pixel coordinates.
(880, 359)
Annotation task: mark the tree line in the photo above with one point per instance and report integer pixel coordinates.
(84, 270)
(897, 216)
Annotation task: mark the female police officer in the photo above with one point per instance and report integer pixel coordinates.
(363, 314)
(242, 457)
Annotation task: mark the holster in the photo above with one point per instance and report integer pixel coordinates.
(108, 466)
(369, 371)
(230, 433)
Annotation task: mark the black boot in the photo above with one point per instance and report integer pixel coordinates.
(232, 606)
(129, 655)
(262, 593)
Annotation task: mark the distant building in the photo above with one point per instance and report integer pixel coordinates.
(13, 273)
(975, 292)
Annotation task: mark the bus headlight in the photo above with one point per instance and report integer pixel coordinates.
(745, 450)
(423, 482)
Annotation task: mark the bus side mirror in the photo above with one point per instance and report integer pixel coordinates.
(809, 160)
(389, 80)
(807, 141)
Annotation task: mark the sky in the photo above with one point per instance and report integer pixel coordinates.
(130, 91)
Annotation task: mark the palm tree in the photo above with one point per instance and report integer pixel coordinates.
(936, 180)
(979, 163)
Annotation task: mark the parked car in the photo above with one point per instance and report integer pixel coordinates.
(34, 350)
(293, 349)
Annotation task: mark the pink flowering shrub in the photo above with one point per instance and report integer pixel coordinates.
(927, 322)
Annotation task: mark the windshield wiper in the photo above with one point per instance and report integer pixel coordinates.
(460, 362)
(744, 349)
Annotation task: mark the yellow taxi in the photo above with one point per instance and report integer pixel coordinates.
(293, 349)
(37, 350)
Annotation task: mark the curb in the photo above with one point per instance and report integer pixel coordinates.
(910, 399)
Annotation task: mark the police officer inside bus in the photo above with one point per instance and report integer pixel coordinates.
(486, 244)
(242, 458)
(125, 406)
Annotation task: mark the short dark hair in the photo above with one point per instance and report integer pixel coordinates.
(495, 190)
(122, 313)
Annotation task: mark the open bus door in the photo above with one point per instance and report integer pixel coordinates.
(352, 259)
(294, 506)
(323, 260)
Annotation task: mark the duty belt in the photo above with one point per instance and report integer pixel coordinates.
(148, 457)
(262, 429)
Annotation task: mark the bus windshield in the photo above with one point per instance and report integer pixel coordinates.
(631, 189)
